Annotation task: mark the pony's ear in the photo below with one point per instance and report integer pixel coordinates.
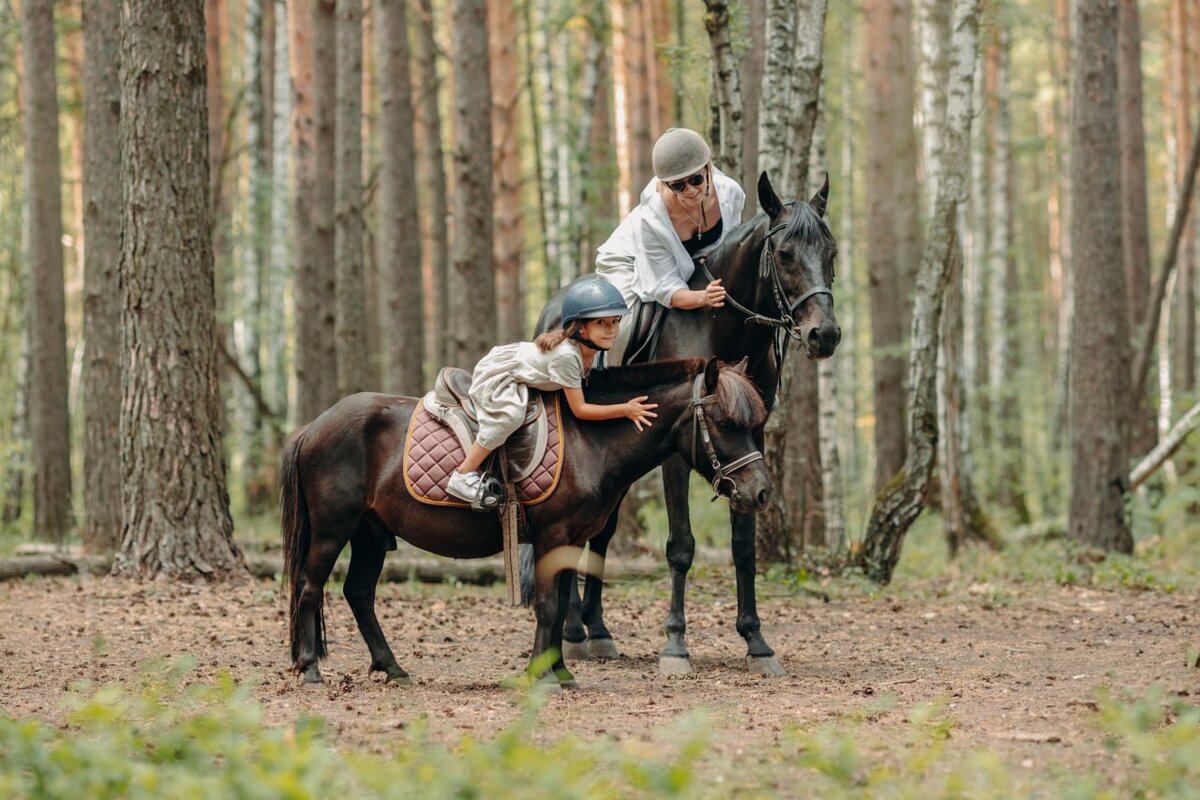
(821, 198)
(768, 201)
(711, 373)
(742, 366)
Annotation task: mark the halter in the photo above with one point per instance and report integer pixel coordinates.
(700, 431)
(768, 267)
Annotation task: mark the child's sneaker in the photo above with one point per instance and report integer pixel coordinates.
(466, 486)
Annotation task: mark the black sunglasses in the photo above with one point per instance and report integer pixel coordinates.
(691, 180)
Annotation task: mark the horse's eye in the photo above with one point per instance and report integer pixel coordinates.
(722, 425)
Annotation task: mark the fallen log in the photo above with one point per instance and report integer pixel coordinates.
(480, 572)
(1166, 448)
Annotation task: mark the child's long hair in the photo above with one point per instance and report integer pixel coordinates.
(552, 339)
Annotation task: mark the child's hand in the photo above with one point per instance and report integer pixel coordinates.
(639, 411)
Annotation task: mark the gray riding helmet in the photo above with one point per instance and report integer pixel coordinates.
(678, 153)
(590, 298)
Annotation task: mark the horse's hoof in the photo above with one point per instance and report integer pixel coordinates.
(675, 665)
(602, 649)
(764, 665)
(312, 676)
(568, 685)
(549, 684)
(575, 651)
(399, 678)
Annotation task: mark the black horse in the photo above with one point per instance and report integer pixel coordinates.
(777, 269)
(342, 482)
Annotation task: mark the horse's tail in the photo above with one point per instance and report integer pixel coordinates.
(296, 532)
(526, 562)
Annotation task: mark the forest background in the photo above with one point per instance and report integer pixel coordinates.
(368, 224)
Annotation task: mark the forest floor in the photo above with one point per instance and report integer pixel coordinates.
(1016, 668)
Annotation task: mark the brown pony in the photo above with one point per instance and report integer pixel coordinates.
(342, 482)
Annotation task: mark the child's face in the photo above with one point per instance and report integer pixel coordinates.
(602, 330)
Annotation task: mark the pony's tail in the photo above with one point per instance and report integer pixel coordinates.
(526, 562)
(296, 532)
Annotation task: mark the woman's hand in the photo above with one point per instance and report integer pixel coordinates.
(639, 411)
(714, 294)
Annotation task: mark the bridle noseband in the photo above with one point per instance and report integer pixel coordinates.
(700, 431)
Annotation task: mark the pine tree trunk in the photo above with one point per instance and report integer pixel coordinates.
(399, 243)
(751, 67)
(431, 170)
(1100, 380)
(727, 149)
(175, 504)
(1064, 67)
(506, 166)
(472, 277)
(275, 382)
(641, 140)
(903, 499)
(593, 121)
(48, 413)
(324, 318)
(102, 296)
(350, 289)
(1185, 290)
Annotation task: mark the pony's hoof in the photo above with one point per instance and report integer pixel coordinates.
(568, 685)
(602, 649)
(675, 665)
(575, 651)
(398, 678)
(311, 676)
(764, 665)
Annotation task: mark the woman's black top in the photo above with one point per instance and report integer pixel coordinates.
(703, 238)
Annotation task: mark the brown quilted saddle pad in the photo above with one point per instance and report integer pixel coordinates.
(432, 450)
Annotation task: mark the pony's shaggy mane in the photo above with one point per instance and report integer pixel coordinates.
(737, 398)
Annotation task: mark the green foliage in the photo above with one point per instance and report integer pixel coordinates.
(178, 740)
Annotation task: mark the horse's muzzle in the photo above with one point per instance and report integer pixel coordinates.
(822, 340)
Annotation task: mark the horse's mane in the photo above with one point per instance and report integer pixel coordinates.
(737, 398)
(805, 223)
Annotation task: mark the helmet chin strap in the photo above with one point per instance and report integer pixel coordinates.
(583, 339)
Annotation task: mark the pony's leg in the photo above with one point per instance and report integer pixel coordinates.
(309, 613)
(681, 548)
(574, 634)
(366, 563)
(600, 642)
(549, 608)
(760, 658)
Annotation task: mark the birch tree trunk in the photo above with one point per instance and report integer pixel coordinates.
(1100, 381)
(350, 287)
(431, 170)
(472, 278)
(399, 242)
(1064, 68)
(1185, 292)
(773, 112)
(547, 111)
(276, 318)
(175, 504)
(48, 413)
(727, 149)
(101, 290)
(506, 167)
(902, 501)
(751, 71)
(805, 91)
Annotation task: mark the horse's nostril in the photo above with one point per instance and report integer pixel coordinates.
(763, 497)
(814, 337)
(837, 335)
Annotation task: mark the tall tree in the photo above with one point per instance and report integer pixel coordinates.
(892, 239)
(102, 297)
(431, 170)
(351, 323)
(506, 169)
(49, 417)
(727, 148)
(1182, 86)
(901, 502)
(1100, 380)
(275, 382)
(324, 320)
(472, 279)
(174, 500)
(399, 242)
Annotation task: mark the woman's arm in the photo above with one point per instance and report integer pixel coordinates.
(711, 295)
(636, 410)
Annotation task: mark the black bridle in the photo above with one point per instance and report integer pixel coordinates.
(700, 431)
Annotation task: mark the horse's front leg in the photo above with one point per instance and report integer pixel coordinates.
(760, 658)
(366, 563)
(681, 549)
(550, 605)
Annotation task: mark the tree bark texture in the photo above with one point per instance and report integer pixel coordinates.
(506, 169)
(774, 113)
(899, 504)
(101, 290)
(399, 237)
(48, 413)
(1182, 87)
(350, 285)
(324, 320)
(751, 71)
(472, 278)
(805, 92)
(641, 138)
(431, 171)
(892, 248)
(174, 500)
(276, 328)
(727, 150)
(1100, 337)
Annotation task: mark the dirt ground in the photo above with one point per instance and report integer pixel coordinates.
(1020, 668)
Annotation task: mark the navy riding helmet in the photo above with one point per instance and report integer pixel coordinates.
(590, 298)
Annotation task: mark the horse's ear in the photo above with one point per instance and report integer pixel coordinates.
(768, 201)
(711, 373)
(821, 198)
(742, 366)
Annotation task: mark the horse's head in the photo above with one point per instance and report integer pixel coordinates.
(800, 250)
(717, 436)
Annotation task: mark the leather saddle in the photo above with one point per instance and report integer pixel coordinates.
(450, 403)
